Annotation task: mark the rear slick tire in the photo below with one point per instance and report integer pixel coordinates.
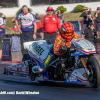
(94, 69)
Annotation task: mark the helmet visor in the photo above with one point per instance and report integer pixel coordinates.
(65, 32)
(68, 33)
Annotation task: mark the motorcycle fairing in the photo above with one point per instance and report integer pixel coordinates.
(44, 58)
(83, 47)
(77, 76)
(45, 63)
(38, 49)
(78, 53)
(43, 77)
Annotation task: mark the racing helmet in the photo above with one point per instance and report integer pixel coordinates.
(50, 9)
(67, 31)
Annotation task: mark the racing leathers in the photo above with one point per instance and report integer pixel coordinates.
(59, 42)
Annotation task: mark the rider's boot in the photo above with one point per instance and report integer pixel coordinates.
(35, 72)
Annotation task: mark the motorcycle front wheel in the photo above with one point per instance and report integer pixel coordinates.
(94, 69)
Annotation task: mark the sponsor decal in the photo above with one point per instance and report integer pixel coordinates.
(73, 79)
(56, 50)
(77, 53)
(27, 69)
(20, 68)
(78, 37)
(47, 61)
(45, 78)
(84, 75)
(37, 49)
(81, 53)
(58, 41)
(54, 19)
(63, 43)
(89, 49)
(77, 40)
(24, 18)
(31, 27)
(46, 18)
(18, 74)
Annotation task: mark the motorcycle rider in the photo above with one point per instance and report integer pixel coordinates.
(64, 37)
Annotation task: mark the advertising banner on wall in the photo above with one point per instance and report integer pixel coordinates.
(6, 48)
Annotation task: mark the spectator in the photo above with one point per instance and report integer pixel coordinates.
(85, 17)
(15, 27)
(50, 23)
(28, 27)
(97, 17)
(37, 17)
(2, 27)
(60, 16)
(39, 34)
(89, 19)
(90, 33)
(4, 17)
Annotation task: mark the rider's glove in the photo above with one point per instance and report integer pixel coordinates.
(61, 51)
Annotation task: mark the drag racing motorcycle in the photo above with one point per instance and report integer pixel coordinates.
(76, 64)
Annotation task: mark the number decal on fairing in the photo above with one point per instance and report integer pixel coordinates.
(73, 79)
(37, 49)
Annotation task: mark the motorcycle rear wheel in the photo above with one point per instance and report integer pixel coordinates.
(94, 69)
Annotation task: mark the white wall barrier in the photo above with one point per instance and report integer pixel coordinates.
(11, 12)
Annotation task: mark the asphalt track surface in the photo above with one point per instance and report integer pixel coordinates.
(47, 91)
